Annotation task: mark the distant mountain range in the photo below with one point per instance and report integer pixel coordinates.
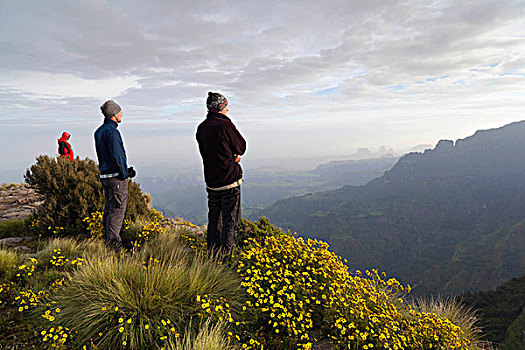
(448, 220)
(184, 194)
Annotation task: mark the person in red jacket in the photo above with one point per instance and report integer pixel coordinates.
(64, 148)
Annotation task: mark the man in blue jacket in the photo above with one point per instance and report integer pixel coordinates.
(114, 172)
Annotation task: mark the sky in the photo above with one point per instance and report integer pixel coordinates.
(303, 78)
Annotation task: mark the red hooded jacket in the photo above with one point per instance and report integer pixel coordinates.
(64, 148)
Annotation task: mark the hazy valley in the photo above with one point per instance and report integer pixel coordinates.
(184, 194)
(447, 220)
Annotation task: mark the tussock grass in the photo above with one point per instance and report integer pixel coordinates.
(209, 337)
(166, 247)
(72, 249)
(9, 260)
(106, 292)
(69, 247)
(461, 315)
(95, 249)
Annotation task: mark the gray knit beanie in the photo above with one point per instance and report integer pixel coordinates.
(216, 102)
(110, 108)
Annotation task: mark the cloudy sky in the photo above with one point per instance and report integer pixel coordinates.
(302, 77)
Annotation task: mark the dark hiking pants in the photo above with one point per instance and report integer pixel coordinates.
(115, 200)
(224, 217)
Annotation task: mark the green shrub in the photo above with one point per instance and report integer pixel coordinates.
(256, 229)
(133, 234)
(514, 337)
(13, 228)
(296, 287)
(125, 299)
(72, 191)
(288, 281)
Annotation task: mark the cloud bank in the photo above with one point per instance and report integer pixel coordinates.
(303, 77)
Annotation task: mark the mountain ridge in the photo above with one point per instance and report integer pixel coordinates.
(429, 213)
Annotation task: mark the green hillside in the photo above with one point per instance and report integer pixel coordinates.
(503, 313)
(447, 220)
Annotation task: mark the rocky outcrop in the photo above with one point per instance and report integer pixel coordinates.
(18, 201)
(447, 145)
(18, 243)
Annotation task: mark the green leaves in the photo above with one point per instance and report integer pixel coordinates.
(72, 191)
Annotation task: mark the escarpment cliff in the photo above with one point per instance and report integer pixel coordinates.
(448, 220)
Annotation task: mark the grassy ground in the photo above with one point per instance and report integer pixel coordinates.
(168, 293)
(17, 333)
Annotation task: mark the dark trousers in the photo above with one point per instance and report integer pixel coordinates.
(224, 217)
(115, 200)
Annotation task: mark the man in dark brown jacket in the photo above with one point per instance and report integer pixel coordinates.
(221, 147)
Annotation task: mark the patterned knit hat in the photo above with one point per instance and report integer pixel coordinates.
(216, 102)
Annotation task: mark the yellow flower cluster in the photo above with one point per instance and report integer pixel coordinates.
(56, 336)
(36, 227)
(94, 225)
(193, 235)
(28, 298)
(27, 270)
(152, 263)
(367, 312)
(5, 291)
(157, 215)
(55, 229)
(165, 329)
(287, 279)
(296, 286)
(59, 260)
(35, 223)
(429, 331)
(219, 309)
(180, 221)
(77, 261)
(127, 327)
(50, 314)
(58, 283)
(150, 229)
(195, 239)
